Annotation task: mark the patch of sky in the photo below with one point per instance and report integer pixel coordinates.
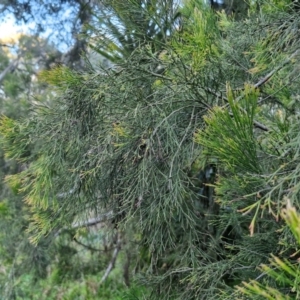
(56, 27)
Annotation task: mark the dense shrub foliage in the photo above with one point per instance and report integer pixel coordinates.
(179, 161)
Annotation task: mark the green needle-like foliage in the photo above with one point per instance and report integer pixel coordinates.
(285, 273)
(189, 149)
(123, 26)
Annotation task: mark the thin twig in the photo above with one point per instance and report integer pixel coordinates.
(90, 222)
(273, 94)
(93, 221)
(111, 264)
(260, 276)
(178, 149)
(268, 76)
(256, 123)
(266, 79)
(156, 74)
(260, 126)
(89, 247)
(5, 45)
(11, 67)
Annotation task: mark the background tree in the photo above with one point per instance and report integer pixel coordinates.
(125, 26)
(63, 21)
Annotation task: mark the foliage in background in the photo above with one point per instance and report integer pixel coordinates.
(72, 263)
(19, 62)
(120, 27)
